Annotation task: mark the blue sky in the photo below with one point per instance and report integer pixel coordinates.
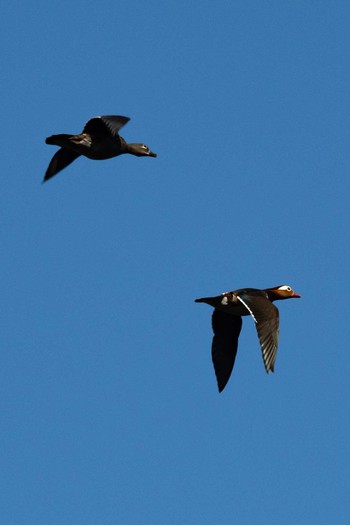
(109, 406)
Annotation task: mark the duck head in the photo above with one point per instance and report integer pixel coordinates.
(281, 292)
(140, 150)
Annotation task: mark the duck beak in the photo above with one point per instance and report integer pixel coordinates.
(296, 295)
(151, 154)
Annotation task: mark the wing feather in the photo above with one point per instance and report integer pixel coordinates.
(105, 125)
(61, 159)
(266, 317)
(226, 330)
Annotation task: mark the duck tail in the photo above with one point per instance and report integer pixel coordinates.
(58, 140)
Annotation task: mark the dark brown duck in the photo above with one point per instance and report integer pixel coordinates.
(227, 324)
(99, 140)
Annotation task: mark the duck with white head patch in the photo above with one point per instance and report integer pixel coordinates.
(227, 324)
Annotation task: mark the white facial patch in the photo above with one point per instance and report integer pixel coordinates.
(224, 301)
(285, 287)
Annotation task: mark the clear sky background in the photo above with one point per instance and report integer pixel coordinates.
(108, 400)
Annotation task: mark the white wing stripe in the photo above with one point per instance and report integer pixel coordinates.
(247, 307)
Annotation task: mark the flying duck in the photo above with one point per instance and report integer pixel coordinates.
(99, 140)
(227, 324)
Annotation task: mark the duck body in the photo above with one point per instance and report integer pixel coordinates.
(91, 146)
(99, 140)
(230, 303)
(229, 308)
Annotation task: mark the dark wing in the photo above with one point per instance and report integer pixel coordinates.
(226, 330)
(266, 317)
(61, 159)
(105, 126)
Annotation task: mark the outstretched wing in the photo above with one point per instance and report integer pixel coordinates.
(61, 159)
(266, 317)
(226, 330)
(105, 125)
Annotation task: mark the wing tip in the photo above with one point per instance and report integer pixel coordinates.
(269, 368)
